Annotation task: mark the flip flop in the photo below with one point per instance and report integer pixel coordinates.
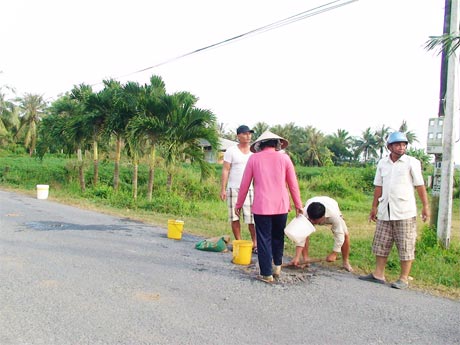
(370, 278)
(266, 279)
(400, 284)
(254, 250)
(348, 268)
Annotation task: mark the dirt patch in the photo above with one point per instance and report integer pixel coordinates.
(147, 296)
(289, 275)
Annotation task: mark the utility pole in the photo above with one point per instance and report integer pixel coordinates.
(435, 127)
(450, 113)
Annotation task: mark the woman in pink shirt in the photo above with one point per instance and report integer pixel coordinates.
(270, 172)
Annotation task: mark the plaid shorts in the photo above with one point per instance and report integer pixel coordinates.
(232, 197)
(401, 232)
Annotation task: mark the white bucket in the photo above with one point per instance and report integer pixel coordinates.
(42, 191)
(299, 229)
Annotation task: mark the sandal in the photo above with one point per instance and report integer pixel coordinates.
(266, 279)
(400, 284)
(254, 250)
(370, 278)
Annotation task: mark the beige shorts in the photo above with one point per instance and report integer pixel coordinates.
(401, 232)
(232, 197)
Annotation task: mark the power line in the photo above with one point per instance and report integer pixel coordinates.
(275, 25)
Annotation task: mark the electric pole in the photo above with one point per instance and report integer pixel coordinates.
(449, 111)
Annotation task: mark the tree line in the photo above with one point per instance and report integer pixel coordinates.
(143, 123)
(308, 146)
(138, 121)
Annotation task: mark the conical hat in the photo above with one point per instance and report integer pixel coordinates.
(267, 135)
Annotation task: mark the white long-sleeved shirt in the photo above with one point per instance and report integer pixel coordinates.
(333, 216)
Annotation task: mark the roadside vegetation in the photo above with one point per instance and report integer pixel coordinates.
(137, 151)
(196, 201)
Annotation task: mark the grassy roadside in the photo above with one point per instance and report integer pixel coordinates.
(436, 283)
(435, 270)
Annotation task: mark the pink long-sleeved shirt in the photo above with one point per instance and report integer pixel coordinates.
(270, 171)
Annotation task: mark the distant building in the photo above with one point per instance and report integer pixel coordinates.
(216, 156)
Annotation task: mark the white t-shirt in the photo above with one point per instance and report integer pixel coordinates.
(238, 161)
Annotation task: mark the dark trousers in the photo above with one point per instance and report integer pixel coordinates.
(270, 241)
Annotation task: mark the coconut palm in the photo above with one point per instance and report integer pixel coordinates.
(339, 143)
(9, 118)
(186, 126)
(69, 126)
(420, 154)
(317, 153)
(131, 107)
(258, 129)
(52, 135)
(411, 136)
(293, 134)
(110, 103)
(366, 145)
(150, 122)
(149, 128)
(94, 121)
(31, 110)
(381, 135)
(287, 131)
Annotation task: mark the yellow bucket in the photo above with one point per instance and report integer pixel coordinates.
(175, 228)
(242, 252)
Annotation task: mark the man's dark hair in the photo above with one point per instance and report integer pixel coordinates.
(316, 210)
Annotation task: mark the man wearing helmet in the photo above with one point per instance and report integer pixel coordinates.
(394, 209)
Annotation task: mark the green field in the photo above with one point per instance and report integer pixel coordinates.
(197, 203)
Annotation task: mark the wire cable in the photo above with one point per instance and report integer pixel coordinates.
(280, 23)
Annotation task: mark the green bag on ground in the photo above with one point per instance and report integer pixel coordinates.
(214, 244)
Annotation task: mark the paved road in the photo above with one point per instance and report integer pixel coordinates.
(71, 276)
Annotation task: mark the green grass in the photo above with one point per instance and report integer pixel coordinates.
(197, 203)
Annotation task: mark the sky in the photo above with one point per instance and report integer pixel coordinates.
(357, 66)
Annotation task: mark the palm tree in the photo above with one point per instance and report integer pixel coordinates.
(150, 122)
(293, 134)
(411, 136)
(259, 128)
(110, 104)
(52, 135)
(316, 154)
(186, 126)
(131, 101)
(31, 110)
(71, 128)
(94, 120)
(149, 127)
(286, 131)
(9, 119)
(135, 150)
(381, 138)
(420, 155)
(447, 42)
(366, 145)
(339, 143)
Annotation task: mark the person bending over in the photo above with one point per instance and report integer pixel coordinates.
(323, 210)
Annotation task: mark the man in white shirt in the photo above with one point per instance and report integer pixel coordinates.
(235, 159)
(394, 209)
(323, 210)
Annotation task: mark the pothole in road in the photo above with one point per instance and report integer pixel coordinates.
(289, 275)
(55, 226)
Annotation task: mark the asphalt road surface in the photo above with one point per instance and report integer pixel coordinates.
(72, 276)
